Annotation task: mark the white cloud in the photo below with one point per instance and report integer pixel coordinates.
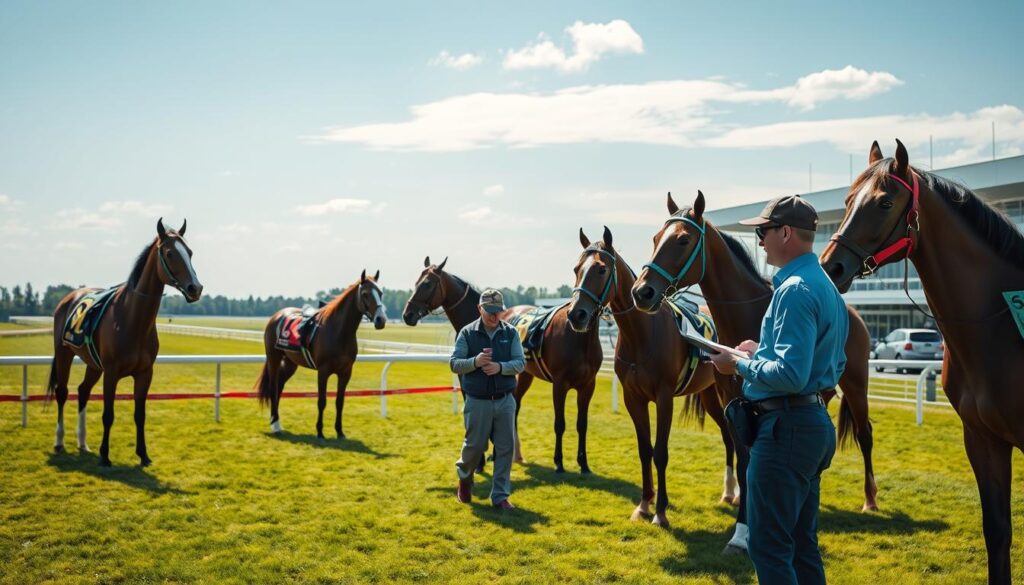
(78, 218)
(494, 191)
(970, 134)
(591, 41)
(487, 216)
(136, 208)
(675, 113)
(476, 215)
(66, 245)
(459, 62)
(831, 84)
(339, 205)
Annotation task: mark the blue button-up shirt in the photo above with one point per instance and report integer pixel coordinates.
(803, 335)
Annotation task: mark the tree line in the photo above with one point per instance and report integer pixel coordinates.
(29, 301)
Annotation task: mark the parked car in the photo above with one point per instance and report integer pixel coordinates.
(910, 344)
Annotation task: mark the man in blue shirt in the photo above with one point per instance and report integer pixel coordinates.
(801, 354)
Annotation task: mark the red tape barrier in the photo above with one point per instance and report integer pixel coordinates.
(188, 395)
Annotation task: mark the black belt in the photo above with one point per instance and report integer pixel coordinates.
(491, 397)
(770, 404)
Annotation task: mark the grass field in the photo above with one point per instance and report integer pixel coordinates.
(229, 503)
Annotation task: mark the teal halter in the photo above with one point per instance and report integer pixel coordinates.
(673, 280)
(608, 285)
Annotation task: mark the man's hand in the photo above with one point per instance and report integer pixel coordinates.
(491, 368)
(724, 362)
(482, 359)
(748, 347)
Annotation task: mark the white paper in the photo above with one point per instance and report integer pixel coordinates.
(699, 340)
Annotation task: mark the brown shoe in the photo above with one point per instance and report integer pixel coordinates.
(463, 492)
(505, 505)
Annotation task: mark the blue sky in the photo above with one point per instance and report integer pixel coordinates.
(306, 142)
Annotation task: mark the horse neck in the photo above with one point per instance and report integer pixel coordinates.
(459, 303)
(726, 284)
(633, 323)
(142, 301)
(344, 321)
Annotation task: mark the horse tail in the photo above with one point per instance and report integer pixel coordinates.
(693, 409)
(264, 385)
(846, 426)
(51, 386)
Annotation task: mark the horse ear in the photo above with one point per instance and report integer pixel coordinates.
(698, 205)
(584, 240)
(362, 277)
(875, 154)
(902, 159)
(443, 262)
(376, 277)
(184, 224)
(672, 207)
(160, 229)
(426, 262)
(607, 237)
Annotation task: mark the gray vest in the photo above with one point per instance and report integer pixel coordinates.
(477, 383)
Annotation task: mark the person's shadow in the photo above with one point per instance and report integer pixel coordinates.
(131, 476)
(346, 444)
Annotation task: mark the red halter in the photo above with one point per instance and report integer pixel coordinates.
(871, 262)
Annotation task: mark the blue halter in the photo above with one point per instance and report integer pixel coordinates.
(673, 280)
(608, 285)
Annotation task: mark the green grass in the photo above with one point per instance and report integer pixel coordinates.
(6, 326)
(229, 503)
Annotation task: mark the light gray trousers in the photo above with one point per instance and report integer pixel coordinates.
(489, 420)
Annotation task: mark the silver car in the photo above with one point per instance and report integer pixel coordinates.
(910, 344)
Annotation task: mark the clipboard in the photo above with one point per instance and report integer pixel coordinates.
(707, 344)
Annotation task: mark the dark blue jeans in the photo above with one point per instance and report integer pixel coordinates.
(792, 448)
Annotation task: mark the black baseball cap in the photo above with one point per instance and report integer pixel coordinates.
(791, 210)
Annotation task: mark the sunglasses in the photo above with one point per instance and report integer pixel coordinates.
(761, 231)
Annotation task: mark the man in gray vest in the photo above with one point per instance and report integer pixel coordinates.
(488, 355)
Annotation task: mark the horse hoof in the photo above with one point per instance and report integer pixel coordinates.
(869, 507)
(105, 462)
(559, 469)
(58, 448)
(145, 462)
(660, 521)
(639, 514)
(84, 449)
(585, 471)
(732, 550)
(736, 501)
(520, 461)
(341, 436)
(276, 428)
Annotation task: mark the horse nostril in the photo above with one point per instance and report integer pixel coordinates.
(645, 293)
(578, 315)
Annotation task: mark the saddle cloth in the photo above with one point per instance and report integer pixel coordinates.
(683, 308)
(531, 326)
(84, 318)
(296, 331)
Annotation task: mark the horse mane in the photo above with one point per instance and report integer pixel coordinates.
(989, 224)
(740, 251)
(140, 264)
(332, 307)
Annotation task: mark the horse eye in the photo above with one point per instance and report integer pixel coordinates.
(684, 242)
(885, 203)
(603, 270)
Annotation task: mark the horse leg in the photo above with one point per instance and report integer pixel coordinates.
(522, 385)
(84, 391)
(142, 381)
(853, 412)
(321, 400)
(990, 459)
(713, 406)
(637, 408)
(583, 397)
(663, 408)
(110, 380)
(60, 371)
(339, 402)
(559, 392)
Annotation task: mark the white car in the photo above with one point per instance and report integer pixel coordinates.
(910, 344)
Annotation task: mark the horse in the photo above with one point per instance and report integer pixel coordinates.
(651, 358)
(124, 341)
(568, 359)
(332, 350)
(970, 259)
(738, 298)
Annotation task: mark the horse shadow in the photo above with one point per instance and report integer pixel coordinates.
(542, 475)
(347, 444)
(131, 476)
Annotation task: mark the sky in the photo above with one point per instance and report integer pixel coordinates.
(306, 141)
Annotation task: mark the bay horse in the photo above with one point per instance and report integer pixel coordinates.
(967, 255)
(738, 298)
(651, 358)
(125, 338)
(570, 359)
(332, 350)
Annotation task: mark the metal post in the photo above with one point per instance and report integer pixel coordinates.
(920, 397)
(383, 388)
(455, 394)
(615, 393)
(24, 396)
(216, 397)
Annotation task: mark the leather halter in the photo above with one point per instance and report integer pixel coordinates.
(871, 262)
(600, 300)
(699, 248)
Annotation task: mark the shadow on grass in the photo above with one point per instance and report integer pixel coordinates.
(541, 475)
(346, 444)
(836, 521)
(131, 476)
(703, 557)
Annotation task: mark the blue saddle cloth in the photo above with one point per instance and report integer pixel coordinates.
(685, 309)
(84, 318)
(531, 326)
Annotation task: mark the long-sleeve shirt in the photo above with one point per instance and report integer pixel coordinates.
(803, 335)
(463, 363)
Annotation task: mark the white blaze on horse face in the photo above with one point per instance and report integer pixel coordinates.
(381, 311)
(865, 190)
(80, 430)
(180, 247)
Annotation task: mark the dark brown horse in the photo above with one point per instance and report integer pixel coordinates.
(651, 359)
(570, 359)
(967, 255)
(332, 350)
(738, 297)
(125, 338)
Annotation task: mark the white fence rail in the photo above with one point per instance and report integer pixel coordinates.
(25, 361)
